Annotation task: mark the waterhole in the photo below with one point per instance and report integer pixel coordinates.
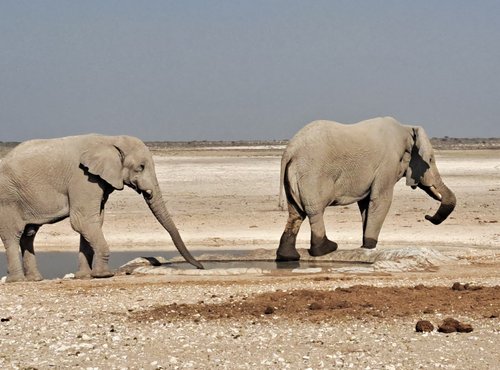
(54, 265)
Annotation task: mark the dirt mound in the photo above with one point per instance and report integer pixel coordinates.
(357, 302)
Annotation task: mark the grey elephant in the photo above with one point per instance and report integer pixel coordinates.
(46, 181)
(328, 164)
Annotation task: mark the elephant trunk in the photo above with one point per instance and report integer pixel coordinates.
(448, 202)
(157, 206)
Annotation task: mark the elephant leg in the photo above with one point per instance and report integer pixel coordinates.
(287, 250)
(320, 244)
(99, 246)
(90, 230)
(363, 209)
(374, 218)
(85, 258)
(28, 252)
(14, 266)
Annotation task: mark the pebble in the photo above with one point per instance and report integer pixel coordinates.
(73, 330)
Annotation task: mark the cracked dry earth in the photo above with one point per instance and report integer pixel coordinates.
(276, 321)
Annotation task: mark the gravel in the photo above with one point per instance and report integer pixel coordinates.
(89, 324)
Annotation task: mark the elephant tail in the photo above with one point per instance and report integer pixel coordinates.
(282, 196)
(289, 191)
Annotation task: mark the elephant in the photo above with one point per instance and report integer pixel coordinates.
(45, 181)
(332, 164)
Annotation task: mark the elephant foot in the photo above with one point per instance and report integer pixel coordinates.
(369, 243)
(326, 246)
(285, 255)
(286, 250)
(101, 274)
(83, 274)
(15, 278)
(35, 276)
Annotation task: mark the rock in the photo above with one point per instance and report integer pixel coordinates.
(424, 326)
(451, 325)
(464, 328)
(3, 279)
(269, 310)
(466, 286)
(86, 337)
(451, 322)
(315, 306)
(446, 329)
(69, 276)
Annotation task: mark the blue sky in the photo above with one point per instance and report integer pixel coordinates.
(238, 70)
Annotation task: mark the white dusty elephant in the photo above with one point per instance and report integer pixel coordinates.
(328, 163)
(45, 181)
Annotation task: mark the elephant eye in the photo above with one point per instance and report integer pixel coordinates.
(140, 168)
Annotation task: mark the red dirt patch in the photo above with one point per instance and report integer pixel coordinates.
(356, 302)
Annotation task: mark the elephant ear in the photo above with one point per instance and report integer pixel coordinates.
(421, 153)
(104, 161)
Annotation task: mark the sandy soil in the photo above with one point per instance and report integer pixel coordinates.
(227, 199)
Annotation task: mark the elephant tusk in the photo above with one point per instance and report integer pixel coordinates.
(149, 192)
(435, 192)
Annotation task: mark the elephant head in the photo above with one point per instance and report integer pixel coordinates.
(127, 161)
(422, 172)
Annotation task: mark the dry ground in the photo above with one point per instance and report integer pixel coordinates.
(227, 199)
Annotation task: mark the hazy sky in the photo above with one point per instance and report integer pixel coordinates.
(236, 70)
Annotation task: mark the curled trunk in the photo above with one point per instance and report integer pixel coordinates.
(448, 202)
(159, 209)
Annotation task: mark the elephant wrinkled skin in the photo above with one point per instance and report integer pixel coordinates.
(328, 163)
(46, 181)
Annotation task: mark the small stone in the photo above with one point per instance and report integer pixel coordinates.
(269, 310)
(315, 306)
(5, 319)
(464, 328)
(85, 337)
(446, 329)
(451, 322)
(472, 287)
(419, 287)
(449, 325)
(457, 286)
(424, 326)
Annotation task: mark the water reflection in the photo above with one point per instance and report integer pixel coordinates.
(57, 264)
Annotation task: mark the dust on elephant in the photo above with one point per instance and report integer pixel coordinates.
(46, 181)
(328, 163)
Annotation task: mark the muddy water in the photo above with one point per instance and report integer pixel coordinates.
(57, 264)
(54, 265)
